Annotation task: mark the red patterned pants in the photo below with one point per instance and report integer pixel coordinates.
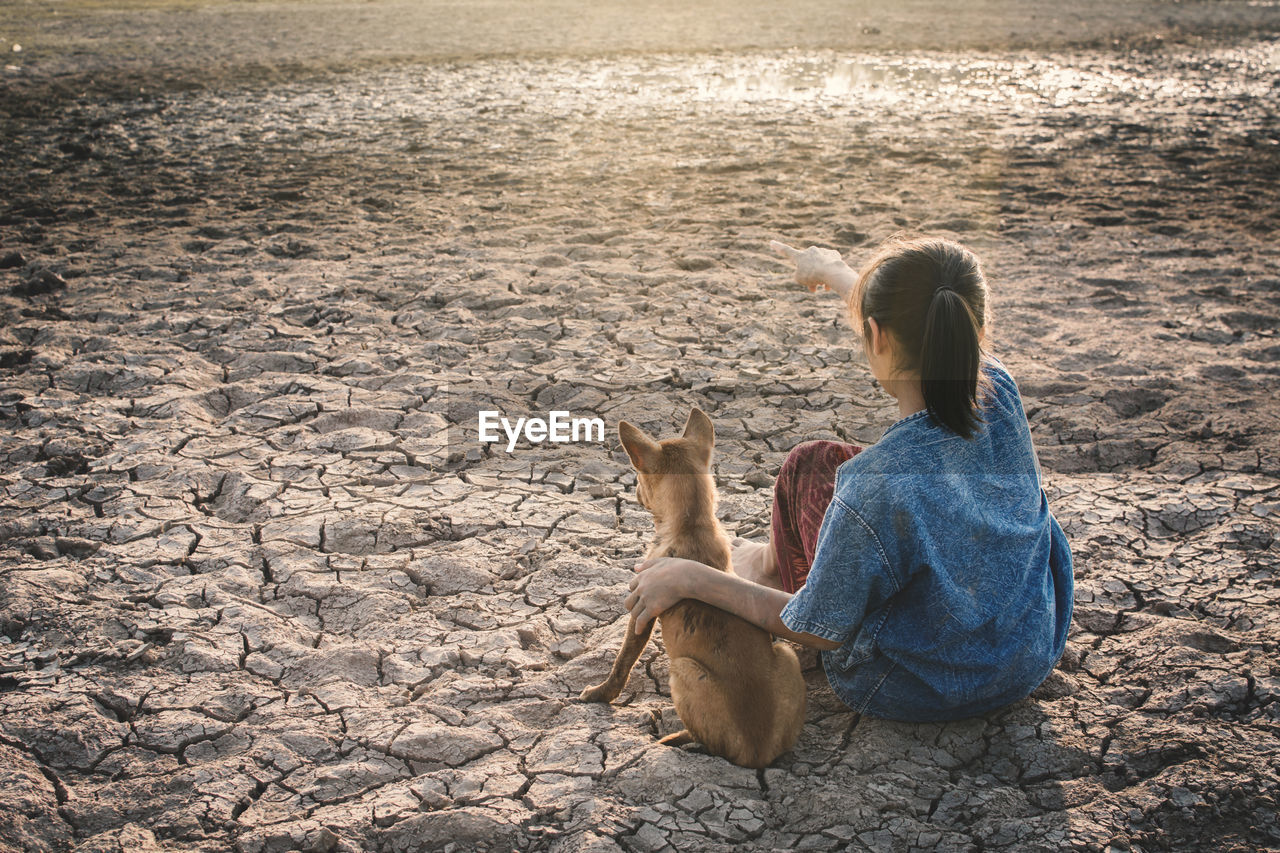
(801, 494)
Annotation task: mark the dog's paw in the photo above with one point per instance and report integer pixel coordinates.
(595, 694)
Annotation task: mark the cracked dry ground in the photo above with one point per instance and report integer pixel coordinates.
(261, 589)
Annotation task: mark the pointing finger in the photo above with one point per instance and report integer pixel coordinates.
(782, 249)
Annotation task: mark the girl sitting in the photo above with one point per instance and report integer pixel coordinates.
(926, 567)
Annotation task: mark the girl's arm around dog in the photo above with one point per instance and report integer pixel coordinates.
(664, 581)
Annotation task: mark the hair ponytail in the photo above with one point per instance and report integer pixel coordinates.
(950, 356)
(931, 296)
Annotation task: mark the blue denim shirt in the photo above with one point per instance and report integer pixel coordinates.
(940, 569)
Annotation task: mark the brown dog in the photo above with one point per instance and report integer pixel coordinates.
(738, 693)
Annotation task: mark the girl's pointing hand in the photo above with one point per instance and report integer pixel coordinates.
(817, 267)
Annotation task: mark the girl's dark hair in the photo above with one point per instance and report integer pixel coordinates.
(930, 294)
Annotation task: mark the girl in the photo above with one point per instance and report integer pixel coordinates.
(926, 567)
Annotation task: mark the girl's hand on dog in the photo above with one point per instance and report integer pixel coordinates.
(817, 267)
(658, 586)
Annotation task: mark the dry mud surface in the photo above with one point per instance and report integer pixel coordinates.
(262, 589)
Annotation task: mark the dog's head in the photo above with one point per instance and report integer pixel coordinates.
(674, 471)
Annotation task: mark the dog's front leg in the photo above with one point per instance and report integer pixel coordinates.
(632, 646)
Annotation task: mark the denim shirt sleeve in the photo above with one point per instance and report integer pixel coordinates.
(850, 577)
(1005, 376)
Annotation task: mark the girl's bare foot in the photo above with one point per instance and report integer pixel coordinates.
(755, 561)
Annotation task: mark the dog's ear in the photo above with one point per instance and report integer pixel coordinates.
(642, 449)
(699, 430)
